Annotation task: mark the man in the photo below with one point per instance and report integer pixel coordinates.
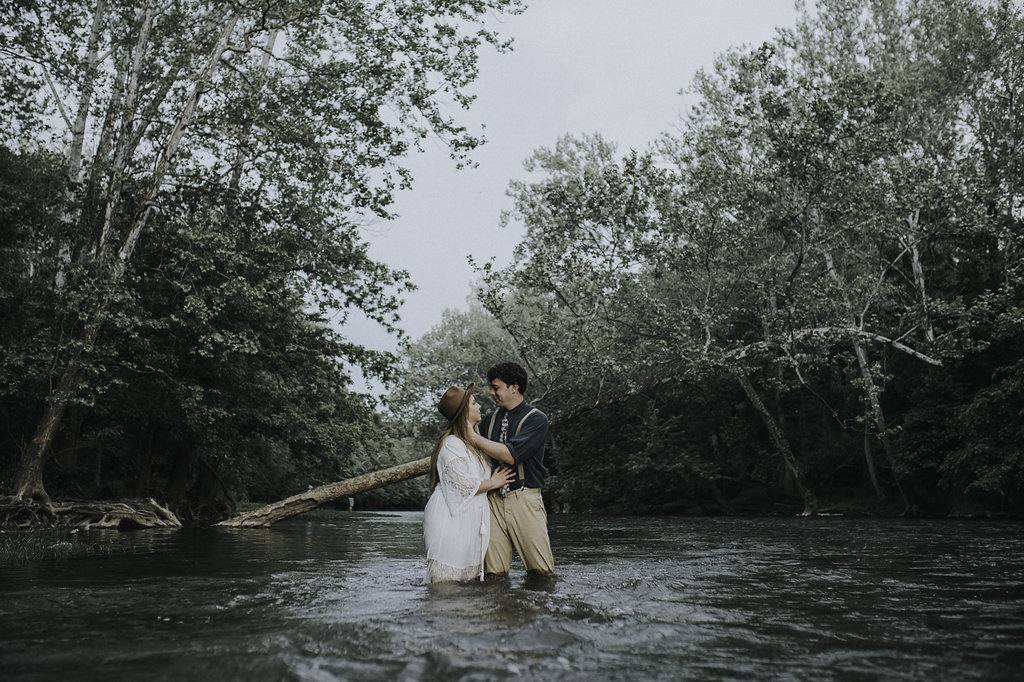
(515, 435)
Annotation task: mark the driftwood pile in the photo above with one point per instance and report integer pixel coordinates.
(86, 514)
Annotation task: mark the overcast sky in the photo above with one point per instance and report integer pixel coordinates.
(614, 67)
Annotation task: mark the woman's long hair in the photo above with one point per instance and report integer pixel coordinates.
(462, 430)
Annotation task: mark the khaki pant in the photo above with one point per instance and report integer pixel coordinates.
(519, 520)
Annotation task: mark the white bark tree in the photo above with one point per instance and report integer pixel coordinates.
(194, 93)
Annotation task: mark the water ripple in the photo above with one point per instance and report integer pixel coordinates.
(709, 599)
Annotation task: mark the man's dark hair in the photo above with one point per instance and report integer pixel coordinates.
(510, 373)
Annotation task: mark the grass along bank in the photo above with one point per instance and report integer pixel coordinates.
(24, 546)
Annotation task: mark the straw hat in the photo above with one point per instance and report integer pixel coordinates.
(453, 402)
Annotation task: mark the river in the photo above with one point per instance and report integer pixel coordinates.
(340, 596)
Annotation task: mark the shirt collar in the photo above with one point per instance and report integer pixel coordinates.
(518, 409)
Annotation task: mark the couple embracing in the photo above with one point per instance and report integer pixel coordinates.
(486, 475)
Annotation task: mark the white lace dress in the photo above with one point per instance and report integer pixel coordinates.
(457, 521)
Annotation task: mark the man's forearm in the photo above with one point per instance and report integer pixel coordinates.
(492, 449)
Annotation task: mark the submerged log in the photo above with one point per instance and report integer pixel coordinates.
(311, 499)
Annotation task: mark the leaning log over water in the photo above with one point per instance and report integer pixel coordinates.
(311, 499)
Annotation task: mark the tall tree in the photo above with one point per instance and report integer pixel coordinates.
(809, 208)
(302, 109)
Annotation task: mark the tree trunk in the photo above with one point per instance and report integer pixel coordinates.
(910, 244)
(869, 461)
(72, 212)
(311, 499)
(28, 478)
(780, 415)
(881, 425)
(88, 88)
(28, 481)
(870, 388)
(240, 156)
(128, 115)
(779, 438)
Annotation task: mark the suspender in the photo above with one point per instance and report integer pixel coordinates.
(490, 429)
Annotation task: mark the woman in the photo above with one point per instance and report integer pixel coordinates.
(457, 520)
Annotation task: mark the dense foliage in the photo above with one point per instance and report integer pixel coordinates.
(181, 190)
(808, 295)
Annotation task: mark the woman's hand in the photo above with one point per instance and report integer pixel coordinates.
(500, 477)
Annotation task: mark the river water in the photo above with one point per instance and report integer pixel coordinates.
(340, 596)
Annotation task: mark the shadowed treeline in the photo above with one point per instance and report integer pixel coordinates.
(806, 298)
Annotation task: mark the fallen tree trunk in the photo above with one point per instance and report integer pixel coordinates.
(311, 499)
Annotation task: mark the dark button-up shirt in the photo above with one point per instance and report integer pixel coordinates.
(527, 448)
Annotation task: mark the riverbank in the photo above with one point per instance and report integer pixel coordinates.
(19, 547)
(133, 514)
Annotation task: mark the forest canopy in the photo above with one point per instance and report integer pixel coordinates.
(804, 298)
(808, 297)
(182, 188)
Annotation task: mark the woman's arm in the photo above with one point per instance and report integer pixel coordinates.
(492, 449)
